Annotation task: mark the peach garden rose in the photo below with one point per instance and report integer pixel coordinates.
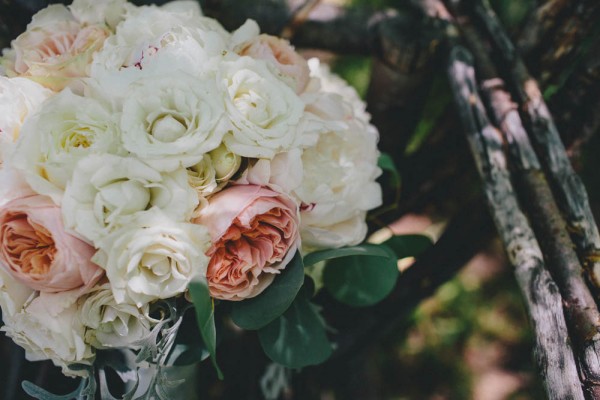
(36, 250)
(254, 231)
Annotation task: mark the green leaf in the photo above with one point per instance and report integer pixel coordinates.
(205, 315)
(259, 311)
(408, 245)
(365, 249)
(297, 338)
(362, 279)
(386, 163)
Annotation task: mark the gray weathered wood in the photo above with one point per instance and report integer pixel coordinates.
(553, 351)
(569, 190)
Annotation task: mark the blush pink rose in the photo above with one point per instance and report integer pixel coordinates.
(254, 233)
(282, 55)
(36, 250)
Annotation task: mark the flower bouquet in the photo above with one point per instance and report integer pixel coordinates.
(153, 163)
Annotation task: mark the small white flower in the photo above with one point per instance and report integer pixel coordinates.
(108, 191)
(109, 324)
(172, 122)
(264, 111)
(65, 129)
(153, 258)
(213, 172)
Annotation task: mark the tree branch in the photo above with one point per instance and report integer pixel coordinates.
(569, 190)
(553, 353)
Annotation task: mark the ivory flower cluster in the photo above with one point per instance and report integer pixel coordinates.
(143, 147)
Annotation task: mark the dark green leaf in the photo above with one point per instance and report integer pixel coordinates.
(365, 249)
(386, 163)
(259, 311)
(297, 338)
(408, 245)
(189, 354)
(205, 315)
(361, 280)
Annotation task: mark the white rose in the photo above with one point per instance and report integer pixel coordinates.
(151, 41)
(172, 122)
(338, 186)
(65, 129)
(13, 295)
(109, 324)
(264, 111)
(19, 97)
(104, 12)
(55, 48)
(47, 327)
(108, 191)
(153, 258)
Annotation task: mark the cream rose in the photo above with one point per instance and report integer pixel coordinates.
(109, 324)
(65, 129)
(279, 54)
(264, 111)
(19, 97)
(105, 12)
(172, 122)
(213, 172)
(254, 233)
(36, 250)
(153, 258)
(47, 327)
(338, 185)
(55, 48)
(108, 191)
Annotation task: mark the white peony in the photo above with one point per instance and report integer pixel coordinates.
(264, 111)
(172, 122)
(19, 97)
(65, 129)
(153, 258)
(154, 41)
(338, 185)
(111, 325)
(108, 191)
(47, 327)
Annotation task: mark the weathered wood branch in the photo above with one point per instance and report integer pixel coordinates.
(553, 351)
(569, 190)
(581, 312)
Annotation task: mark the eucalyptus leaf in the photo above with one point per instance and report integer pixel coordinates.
(259, 311)
(408, 245)
(37, 392)
(297, 338)
(365, 249)
(205, 315)
(362, 279)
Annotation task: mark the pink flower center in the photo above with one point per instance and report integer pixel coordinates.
(28, 245)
